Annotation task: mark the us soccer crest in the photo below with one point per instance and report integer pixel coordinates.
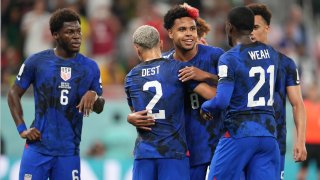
(65, 73)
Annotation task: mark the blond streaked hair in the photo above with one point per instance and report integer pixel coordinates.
(146, 37)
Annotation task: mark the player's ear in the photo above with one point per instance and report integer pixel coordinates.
(268, 28)
(170, 33)
(138, 50)
(55, 35)
(161, 45)
(228, 27)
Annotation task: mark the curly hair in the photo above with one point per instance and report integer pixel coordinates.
(202, 27)
(60, 16)
(262, 10)
(176, 12)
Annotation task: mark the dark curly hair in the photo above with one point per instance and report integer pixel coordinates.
(60, 16)
(175, 13)
(241, 18)
(262, 10)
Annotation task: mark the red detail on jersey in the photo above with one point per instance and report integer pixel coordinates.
(214, 178)
(26, 146)
(227, 134)
(188, 153)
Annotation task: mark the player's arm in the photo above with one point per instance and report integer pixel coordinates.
(14, 102)
(206, 91)
(194, 73)
(89, 102)
(220, 102)
(299, 116)
(141, 119)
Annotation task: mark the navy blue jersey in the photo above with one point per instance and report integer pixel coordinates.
(154, 85)
(287, 76)
(168, 54)
(202, 135)
(58, 86)
(251, 71)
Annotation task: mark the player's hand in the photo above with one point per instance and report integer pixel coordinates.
(86, 104)
(205, 116)
(141, 120)
(299, 152)
(188, 73)
(32, 134)
(206, 108)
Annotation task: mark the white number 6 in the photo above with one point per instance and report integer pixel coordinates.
(63, 98)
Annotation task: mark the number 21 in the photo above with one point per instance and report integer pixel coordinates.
(261, 100)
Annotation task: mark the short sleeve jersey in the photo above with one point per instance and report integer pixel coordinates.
(287, 76)
(252, 70)
(202, 135)
(154, 85)
(58, 86)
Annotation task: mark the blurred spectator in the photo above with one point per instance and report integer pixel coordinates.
(312, 104)
(295, 35)
(10, 59)
(316, 54)
(97, 150)
(85, 27)
(105, 27)
(2, 145)
(12, 30)
(35, 28)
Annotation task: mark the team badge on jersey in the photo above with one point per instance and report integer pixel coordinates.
(65, 73)
(27, 177)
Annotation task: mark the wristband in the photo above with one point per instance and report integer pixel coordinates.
(21, 127)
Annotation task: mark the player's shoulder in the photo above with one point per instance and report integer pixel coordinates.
(231, 53)
(211, 49)
(86, 60)
(168, 54)
(39, 57)
(285, 59)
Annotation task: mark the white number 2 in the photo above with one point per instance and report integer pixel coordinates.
(75, 174)
(261, 100)
(63, 98)
(155, 99)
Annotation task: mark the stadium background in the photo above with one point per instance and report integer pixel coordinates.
(107, 25)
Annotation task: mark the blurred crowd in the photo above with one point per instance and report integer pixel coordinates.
(107, 26)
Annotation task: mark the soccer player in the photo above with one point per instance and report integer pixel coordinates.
(288, 84)
(66, 87)
(246, 86)
(154, 85)
(202, 136)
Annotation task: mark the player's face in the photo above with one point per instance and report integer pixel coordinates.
(260, 30)
(184, 33)
(69, 36)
